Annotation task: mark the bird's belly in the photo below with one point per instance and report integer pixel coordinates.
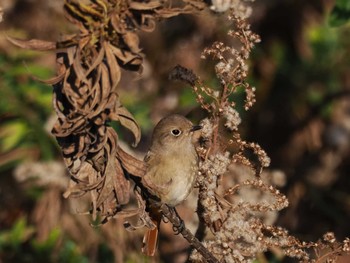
(172, 178)
(179, 188)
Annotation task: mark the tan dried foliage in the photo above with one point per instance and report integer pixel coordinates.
(85, 94)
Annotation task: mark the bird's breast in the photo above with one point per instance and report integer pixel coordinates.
(175, 177)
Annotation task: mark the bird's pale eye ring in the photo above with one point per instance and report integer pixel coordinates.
(175, 132)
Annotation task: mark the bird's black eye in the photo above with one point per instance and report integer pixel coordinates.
(175, 132)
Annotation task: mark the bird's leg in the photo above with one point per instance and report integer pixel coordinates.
(178, 228)
(171, 213)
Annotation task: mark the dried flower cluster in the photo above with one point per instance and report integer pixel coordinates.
(232, 118)
(208, 180)
(239, 6)
(235, 220)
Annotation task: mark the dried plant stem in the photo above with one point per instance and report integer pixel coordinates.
(200, 232)
(178, 225)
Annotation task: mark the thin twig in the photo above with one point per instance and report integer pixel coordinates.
(178, 225)
(200, 232)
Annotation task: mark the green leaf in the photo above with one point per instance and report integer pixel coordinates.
(11, 134)
(49, 244)
(187, 98)
(340, 14)
(20, 232)
(70, 253)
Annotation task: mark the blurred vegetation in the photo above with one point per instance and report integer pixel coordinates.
(340, 14)
(20, 246)
(25, 106)
(301, 81)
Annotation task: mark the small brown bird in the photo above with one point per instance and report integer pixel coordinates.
(172, 166)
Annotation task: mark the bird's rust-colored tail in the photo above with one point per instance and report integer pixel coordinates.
(150, 239)
(150, 242)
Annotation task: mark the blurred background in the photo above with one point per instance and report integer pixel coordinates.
(301, 70)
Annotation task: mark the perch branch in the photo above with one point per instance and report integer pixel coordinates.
(179, 226)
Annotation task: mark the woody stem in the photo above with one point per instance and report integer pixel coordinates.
(177, 222)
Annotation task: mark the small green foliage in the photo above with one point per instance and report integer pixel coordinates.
(13, 238)
(43, 250)
(340, 14)
(18, 245)
(12, 133)
(49, 244)
(139, 107)
(25, 106)
(70, 254)
(187, 98)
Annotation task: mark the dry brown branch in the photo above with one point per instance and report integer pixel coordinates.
(179, 228)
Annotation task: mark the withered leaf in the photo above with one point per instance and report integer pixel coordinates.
(53, 80)
(74, 13)
(115, 188)
(79, 189)
(94, 94)
(97, 61)
(126, 119)
(199, 5)
(148, 23)
(102, 91)
(114, 68)
(33, 44)
(85, 180)
(108, 185)
(70, 54)
(131, 39)
(144, 218)
(126, 57)
(137, 61)
(91, 10)
(117, 26)
(103, 4)
(145, 5)
(121, 184)
(79, 70)
(167, 13)
(68, 41)
(128, 213)
(84, 41)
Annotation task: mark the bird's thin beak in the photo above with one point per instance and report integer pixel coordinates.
(196, 128)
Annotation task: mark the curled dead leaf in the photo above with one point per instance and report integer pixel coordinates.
(131, 39)
(127, 120)
(150, 5)
(33, 44)
(113, 66)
